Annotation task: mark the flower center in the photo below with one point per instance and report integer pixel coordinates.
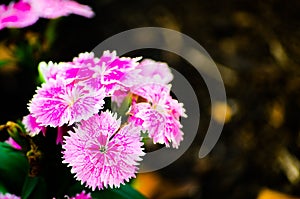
(102, 149)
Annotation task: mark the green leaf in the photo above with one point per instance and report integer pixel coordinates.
(124, 192)
(29, 185)
(122, 110)
(13, 168)
(50, 32)
(41, 78)
(4, 62)
(2, 188)
(34, 187)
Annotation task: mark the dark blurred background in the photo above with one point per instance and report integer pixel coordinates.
(256, 46)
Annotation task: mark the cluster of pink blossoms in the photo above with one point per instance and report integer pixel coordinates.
(9, 196)
(101, 151)
(81, 195)
(27, 12)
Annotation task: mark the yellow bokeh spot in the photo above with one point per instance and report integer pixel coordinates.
(221, 112)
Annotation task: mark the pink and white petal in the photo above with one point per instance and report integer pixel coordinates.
(86, 106)
(132, 78)
(107, 57)
(175, 108)
(173, 131)
(56, 104)
(8, 196)
(119, 95)
(156, 72)
(58, 8)
(153, 122)
(153, 92)
(86, 59)
(14, 144)
(32, 126)
(99, 156)
(81, 195)
(17, 15)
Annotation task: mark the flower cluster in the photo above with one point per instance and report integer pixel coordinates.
(81, 195)
(101, 150)
(8, 196)
(27, 12)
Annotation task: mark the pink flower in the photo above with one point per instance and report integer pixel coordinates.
(156, 72)
(56, 103)
(119, 96)
(148, 71)
(107, 71)
(27, 12)
(51, 70)
(17, 15)
(58, 8)
(81, 195)
(8, 196)
(101, 152)
(31, 126)
(159, 115)
(14, 144)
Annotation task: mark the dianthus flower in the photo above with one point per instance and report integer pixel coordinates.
(9, 196)
(158, 113)
(17, 15)
(81, 195)
(103, 153)
(107, 71)
(148, 71)
(57, 103)
(154, 72)
(27, 12)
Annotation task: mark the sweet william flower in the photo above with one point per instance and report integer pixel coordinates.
(57, 103)
(9, 196)
(27, 12)
(81, 195)
(108, 71)
(158, 113)
(101, 152)
(105, 72)
(147, 71)
(17, 15)
(57, 8)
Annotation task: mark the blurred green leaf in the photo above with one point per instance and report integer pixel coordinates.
(124, 192)
(50, 32)
(2, 188)
(41, 78)
(122, 110)
(13, 168)
(34, 187)
(4, 62)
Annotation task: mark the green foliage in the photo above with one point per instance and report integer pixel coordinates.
(122, 110)
(13, 169)
(4, 62)
(2, 188)
(34, 187)
(124, 192)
